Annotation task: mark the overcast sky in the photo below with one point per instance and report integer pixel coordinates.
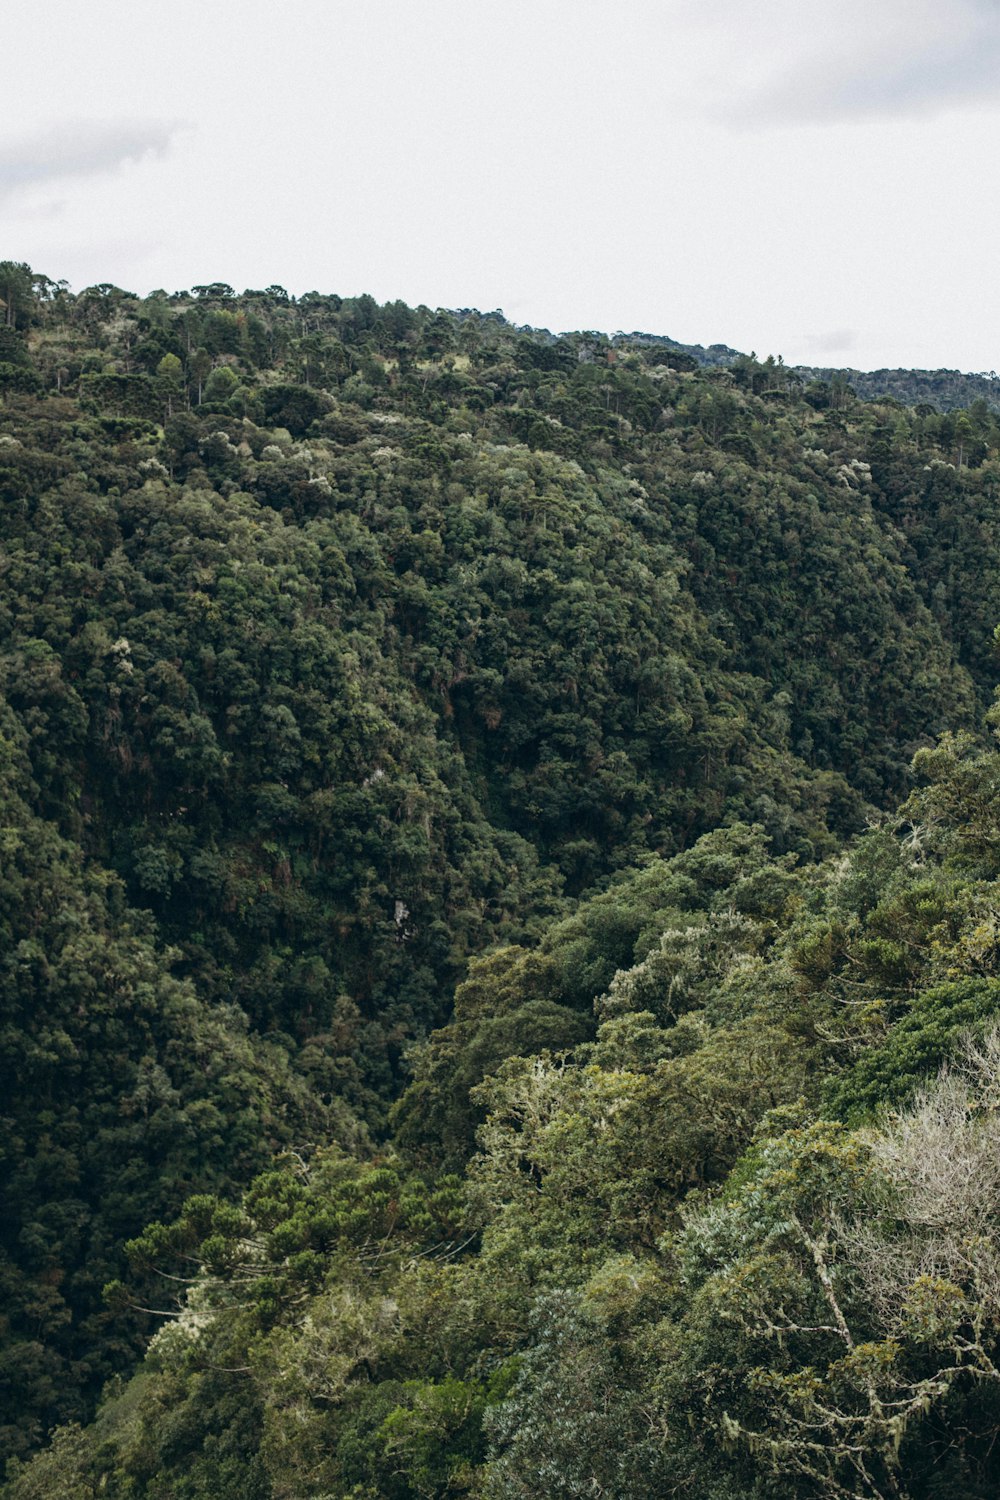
(816, 181)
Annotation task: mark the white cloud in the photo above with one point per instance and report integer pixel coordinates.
(72, 149)
(889, 61)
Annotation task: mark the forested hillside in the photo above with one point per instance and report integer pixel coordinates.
(500, 834)
(942, 390)
(939, 391)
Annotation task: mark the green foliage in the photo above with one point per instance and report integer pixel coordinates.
(429, 758)
(917, 1045)
(572, 1426)
(124, 1092)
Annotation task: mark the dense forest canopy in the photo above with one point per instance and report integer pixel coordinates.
(939, 390)
(500, 835)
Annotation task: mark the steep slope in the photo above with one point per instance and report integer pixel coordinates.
(343, 644)
(675, 1263)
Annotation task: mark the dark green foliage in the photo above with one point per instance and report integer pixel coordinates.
(916, 1046)
(430, 753)
(629, 1290)
(943, 390)
(293, 406)
(572, 1425)
(122, 1094)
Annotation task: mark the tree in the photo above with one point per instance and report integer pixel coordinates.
(852, 1283)
(199, 368)
(169, 381)
(16, 293)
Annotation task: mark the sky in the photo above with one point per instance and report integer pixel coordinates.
(815, 181)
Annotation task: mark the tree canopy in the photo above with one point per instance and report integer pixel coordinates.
(499, 842)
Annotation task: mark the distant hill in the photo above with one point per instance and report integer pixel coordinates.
(710, 357)
(945, 390)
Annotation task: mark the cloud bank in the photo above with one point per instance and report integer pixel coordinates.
(905, 62)
(75, 149)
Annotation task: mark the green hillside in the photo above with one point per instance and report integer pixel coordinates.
(500, 836)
